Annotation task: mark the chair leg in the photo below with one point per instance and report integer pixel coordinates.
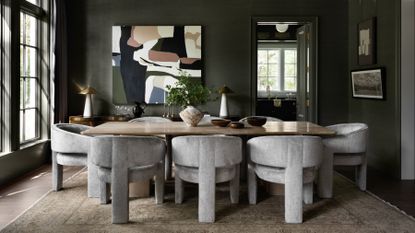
(252, 185)
(294, 192)
(120, 202)
(159, 183)
(57, 173)
(325, 175)
(308, 193)
(105, 192)
(234, 186)
(178, 189)
(361, 174)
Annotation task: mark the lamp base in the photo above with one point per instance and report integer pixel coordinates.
(88, 106)
(224, 106)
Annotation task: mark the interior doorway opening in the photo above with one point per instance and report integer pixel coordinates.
(284, 68)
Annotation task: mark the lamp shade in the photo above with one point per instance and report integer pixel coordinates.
(225, 90)
(88, 90)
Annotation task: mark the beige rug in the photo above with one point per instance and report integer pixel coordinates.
(350, 211)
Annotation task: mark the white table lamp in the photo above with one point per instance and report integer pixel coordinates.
(88, 110)
(224, 112)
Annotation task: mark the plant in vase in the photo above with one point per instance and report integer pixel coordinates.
(187, 94)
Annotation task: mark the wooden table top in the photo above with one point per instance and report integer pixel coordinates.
(179, 128)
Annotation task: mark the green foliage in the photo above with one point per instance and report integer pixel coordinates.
(187, 92)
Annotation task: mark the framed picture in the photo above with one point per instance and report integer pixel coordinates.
(367, 42)
(368, 83)
(147, 59)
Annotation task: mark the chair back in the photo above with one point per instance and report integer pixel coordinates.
(137, 150)
(227, 150)
(151, 119)
(278, 151)
(350, 138)
(67, 138)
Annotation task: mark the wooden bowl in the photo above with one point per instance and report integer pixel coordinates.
(236, 125)
(220, 122)
(257, 121)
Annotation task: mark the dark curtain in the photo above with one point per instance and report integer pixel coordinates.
(61, 63)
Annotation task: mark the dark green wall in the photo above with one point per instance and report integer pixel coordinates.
(382, 116)
(20, 162)
(226, 44)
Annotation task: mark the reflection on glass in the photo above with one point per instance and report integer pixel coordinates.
(30, 124)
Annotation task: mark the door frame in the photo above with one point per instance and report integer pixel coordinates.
(313, 21)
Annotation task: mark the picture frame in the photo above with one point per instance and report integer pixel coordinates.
(368, 83)
(367, 42)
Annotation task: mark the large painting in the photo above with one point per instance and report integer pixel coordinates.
(146, 59)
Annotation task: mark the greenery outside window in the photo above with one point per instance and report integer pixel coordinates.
(277, 69)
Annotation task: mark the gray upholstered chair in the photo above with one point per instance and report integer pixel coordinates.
(150, 119)
(157, 119)
(207, 160)
(289, 160)
(347, 148)
(125, 159)
(245, 119)
(69, 148)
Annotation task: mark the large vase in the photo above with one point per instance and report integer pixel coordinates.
(191, 116)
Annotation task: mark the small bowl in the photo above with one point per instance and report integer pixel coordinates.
(257, 121)
(220, 122)
(236, 125)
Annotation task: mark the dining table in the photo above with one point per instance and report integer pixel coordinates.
(174, 129)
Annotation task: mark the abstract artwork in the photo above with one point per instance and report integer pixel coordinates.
(146, 59)
(368, 83)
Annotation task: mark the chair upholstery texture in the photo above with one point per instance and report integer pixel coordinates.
(289, 160)
(347, 148)
(69, 148)
(207, 160)
(125, 159)
(157, 119)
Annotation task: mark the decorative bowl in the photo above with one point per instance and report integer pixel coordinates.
(236, 125)
(257, 121)
(220, 122)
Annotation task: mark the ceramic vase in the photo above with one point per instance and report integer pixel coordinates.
(191, 116)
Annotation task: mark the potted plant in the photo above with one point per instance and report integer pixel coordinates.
(187, 94)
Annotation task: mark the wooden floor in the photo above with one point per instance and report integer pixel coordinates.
(17, 197)
(400, 193)
(23, 193)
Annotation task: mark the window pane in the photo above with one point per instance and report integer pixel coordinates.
(273, 70)
(30, 124)
(31, 30)
(290, 84)
(36, 2)
(30, 93)
(273, 56)
(290, 70)
(290, 56)
(22, 86)
(262, 83)
(21, 126)
(262, 56)
(30, 62)
(274, 84)
(262, 70)
(21, 60)
(21, 28)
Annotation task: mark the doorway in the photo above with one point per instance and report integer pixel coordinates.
(284, 68)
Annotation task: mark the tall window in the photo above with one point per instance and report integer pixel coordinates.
(277, 69)
(29, 78)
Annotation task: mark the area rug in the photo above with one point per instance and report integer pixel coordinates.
(349, 211)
